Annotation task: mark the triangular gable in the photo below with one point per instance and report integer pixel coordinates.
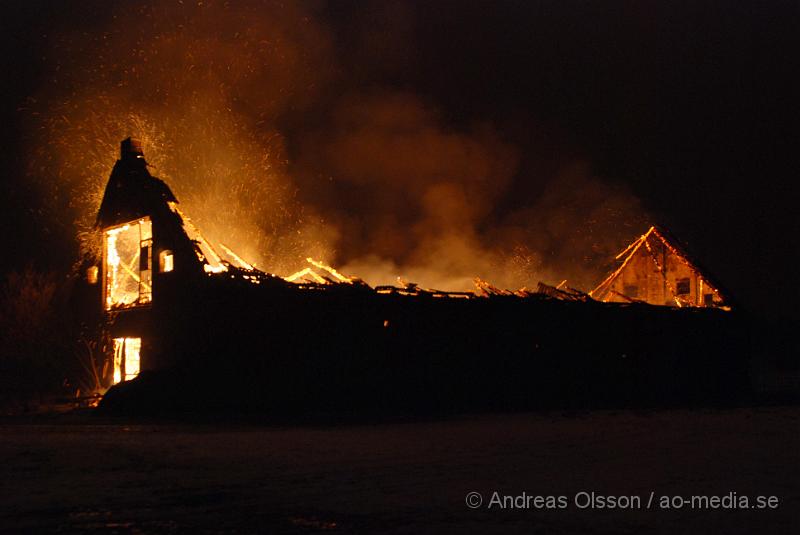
(655, 269)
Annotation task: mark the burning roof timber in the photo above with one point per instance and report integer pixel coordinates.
(133, 196)
(653, 269)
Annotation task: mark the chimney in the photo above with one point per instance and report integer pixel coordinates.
(130, 148)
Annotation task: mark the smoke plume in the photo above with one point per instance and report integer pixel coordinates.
(203, 86)
(374, 180)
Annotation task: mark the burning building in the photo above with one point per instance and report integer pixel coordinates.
(197, 326)
(655, 269)
(147, 251)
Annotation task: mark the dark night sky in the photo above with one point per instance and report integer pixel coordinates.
(692, 105)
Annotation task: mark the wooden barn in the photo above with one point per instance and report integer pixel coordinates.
(655, 269)
(184, 327)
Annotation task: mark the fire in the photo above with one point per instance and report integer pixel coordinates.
(241, 263)
(482, 288)
(127, 353)
(309, 274)
(303, 273)
(329, 269)
(128, 250)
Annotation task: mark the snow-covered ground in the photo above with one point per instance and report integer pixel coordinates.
(71, 477)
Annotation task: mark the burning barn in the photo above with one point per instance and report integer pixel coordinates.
(148, 249)
(655, 269)
(198, 327)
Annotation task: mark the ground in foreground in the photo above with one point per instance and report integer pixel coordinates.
(115, 477)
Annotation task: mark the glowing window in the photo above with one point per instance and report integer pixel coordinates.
(128, 264)
(166, 262)
(126, 358)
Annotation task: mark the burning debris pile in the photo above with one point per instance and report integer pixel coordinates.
(181, 315)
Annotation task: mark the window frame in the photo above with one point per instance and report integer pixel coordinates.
(144, 277)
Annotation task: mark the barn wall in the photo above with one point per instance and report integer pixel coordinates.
(642, 279)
